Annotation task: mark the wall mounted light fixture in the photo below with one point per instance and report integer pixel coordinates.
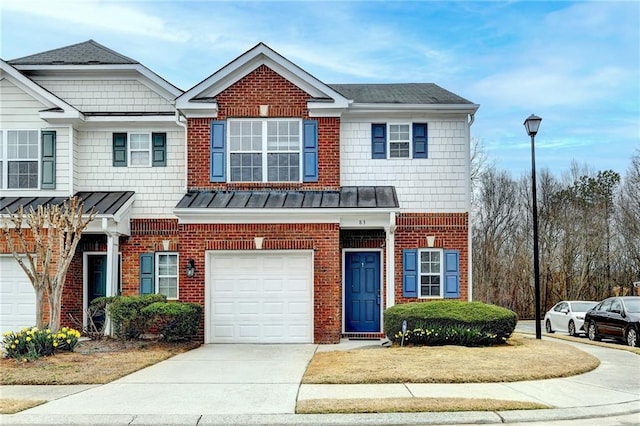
(191, 268)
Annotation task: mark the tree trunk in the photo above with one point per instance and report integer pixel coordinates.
(55, 306)
(40, 322)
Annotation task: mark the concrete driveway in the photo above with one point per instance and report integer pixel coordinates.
(212, 379)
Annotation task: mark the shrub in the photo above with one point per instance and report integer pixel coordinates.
(174, 320)
(125, 312)
(450, 322)
(32, 343)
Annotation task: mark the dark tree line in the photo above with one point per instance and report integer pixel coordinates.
(589, 235)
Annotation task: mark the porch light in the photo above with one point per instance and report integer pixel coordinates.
(191, 268)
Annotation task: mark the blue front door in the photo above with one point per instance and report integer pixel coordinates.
(362, 292)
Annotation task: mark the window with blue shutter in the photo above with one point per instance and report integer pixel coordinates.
(451, 274)
(48, 179)
(378, 141)
(420, 140)
(218, 151)
(410, 273)
(147, 283)
(310, 151)
(119, 150)
(159, 149)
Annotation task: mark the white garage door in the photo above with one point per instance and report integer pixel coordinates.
(17, 297)
(261, 297)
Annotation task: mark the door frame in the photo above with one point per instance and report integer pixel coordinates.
(85, 280)
(344, 294)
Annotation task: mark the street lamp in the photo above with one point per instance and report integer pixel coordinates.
(532, 123)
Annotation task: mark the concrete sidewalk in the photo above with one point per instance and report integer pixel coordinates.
(259, 384)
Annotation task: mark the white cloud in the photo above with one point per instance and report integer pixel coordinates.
(119, 17)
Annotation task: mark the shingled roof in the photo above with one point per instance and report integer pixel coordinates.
(86, 53)
(398, 93)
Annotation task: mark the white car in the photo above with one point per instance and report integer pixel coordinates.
(568, 316)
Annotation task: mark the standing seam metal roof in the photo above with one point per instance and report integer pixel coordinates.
(346, 197)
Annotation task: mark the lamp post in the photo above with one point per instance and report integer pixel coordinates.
(532, 123)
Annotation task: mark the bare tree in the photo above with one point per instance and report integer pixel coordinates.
(45, 252)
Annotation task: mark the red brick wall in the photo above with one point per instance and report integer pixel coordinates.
(451, 232)
(322, 238)
(263, 86)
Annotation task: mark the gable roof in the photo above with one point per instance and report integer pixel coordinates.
(92, 56)
(56, 108)
(85, 53)
(200, 99)
(399, 93)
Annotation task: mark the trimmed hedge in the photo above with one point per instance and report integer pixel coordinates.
(174, 320)
(126, 314)
(450, 322)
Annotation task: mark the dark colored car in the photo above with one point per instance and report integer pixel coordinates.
(616, 318)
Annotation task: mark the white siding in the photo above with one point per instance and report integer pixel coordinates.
(437, 184)
(94, 95)
(158, 189)
(20, 111)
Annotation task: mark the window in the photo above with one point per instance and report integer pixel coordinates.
(399, 140)
(19, 159)
(264, 150)
(430, 273)
(140, 149)
(395, 140)
(167, 274)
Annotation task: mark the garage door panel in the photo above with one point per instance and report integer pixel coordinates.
(261, 297)
(17, 297)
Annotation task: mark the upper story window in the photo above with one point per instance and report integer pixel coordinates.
(264, 150)
(27, 159)
(399, 140)
(139, 149)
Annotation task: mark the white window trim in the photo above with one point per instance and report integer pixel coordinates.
(420, 274)
(157, 276)
(264, 151)
(131, 150)
(389, 124)
(4, 160)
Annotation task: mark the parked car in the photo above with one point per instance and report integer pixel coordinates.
(568, 316)
(617, 318)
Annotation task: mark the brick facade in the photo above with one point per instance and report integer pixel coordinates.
(437, 183)
(451, 232)
(242, 100)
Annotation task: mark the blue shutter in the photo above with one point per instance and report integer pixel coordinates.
(159, 148)
(147, 284)
(119, 150)
(410, 273)
(310, 151)
(218, 151)
(451, 274)
(379, 141)
(48, 180)
(420, 140)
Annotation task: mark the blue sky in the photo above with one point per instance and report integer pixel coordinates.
(575, 64)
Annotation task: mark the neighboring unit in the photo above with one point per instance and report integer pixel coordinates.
(301, 209)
